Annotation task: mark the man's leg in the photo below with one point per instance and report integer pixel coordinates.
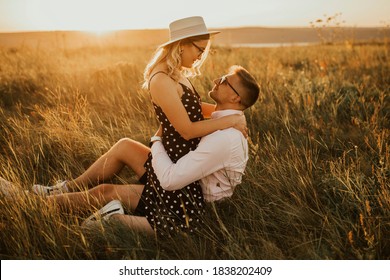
(125, 152)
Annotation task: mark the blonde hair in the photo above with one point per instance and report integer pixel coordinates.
(170, 54)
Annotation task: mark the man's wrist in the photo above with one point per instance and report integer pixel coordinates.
(154, 139)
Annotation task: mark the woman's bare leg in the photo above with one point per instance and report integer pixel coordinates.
(129, 195)
(125, 152)
(136, 223)
(97, 197)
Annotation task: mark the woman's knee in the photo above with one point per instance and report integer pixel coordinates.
(128, 141)
(127, 144)
(130, 147)
(131, 153)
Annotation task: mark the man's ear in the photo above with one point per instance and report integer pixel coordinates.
(236, 99)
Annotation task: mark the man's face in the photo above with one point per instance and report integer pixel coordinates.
(225, 88)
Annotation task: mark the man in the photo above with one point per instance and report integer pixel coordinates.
(219, 161)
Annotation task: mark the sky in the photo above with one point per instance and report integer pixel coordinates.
(100, 15)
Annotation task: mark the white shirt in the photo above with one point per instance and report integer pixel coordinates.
(218, 162)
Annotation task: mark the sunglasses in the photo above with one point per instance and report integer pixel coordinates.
(224, 80)
(201, 50)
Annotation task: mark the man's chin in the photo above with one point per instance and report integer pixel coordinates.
(211, 95)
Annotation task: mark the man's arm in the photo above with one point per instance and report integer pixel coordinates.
(211, 155)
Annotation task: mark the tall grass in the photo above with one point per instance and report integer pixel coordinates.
(316, 185)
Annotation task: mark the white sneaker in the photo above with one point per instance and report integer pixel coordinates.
(8, 188)
(58, 188)
(111, 208)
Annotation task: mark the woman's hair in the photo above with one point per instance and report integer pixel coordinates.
(171, 55)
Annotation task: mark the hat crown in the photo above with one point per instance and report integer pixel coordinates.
(187, 27)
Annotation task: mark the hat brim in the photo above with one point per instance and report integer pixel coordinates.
(189, 36)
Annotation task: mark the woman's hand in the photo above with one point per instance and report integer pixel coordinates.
(240, 124)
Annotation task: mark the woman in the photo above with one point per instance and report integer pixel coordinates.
(180, 113)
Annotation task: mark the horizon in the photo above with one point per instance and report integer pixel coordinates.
(104, 32)
(19, 16)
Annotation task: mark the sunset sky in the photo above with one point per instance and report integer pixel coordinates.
(22, 15)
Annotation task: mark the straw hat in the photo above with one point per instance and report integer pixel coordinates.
(187, 27)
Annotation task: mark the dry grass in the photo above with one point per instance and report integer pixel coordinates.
(316, 187)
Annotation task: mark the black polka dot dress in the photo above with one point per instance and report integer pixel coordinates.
(181, 210)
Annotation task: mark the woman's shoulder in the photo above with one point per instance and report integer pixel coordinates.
(163, 86)
(160, 79)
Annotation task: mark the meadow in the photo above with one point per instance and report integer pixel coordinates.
(316, 185)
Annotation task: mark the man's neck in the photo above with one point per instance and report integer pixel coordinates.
(227, 106)
(218, 108)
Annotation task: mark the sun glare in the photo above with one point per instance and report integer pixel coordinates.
(87, 15)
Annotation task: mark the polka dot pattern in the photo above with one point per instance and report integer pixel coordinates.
(174, 211)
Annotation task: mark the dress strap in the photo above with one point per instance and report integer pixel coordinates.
(193, 88)
(155, 75)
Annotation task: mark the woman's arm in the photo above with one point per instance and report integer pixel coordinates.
(165, 94)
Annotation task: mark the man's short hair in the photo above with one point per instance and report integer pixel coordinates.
(249, 83)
